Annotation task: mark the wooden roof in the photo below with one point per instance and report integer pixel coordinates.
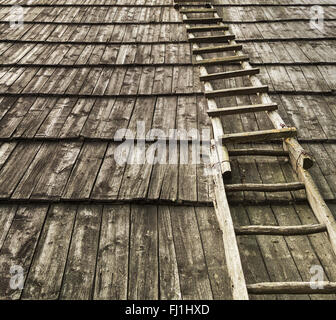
(80, 225)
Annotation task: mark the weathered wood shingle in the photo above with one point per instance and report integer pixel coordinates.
(76, 73)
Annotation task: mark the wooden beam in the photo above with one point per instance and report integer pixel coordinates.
(292, 288)
(202, 20)
(255, 136)
(214, 27)
(230, 74)
(222, 60)
(318, 205)
(242, 109)
(274, 187)
(210, 39)
(258, 152)
(198, 10)
(235, 91)
(192, 1)
(298, 154)
(222, 210)
(280, 230)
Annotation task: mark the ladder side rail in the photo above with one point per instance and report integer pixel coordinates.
(216, 122)
(223, 213)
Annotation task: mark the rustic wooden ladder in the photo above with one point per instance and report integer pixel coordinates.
(299, 159)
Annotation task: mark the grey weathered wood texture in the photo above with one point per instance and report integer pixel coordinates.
(77, 72)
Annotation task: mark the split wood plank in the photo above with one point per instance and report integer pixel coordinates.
(113, 254)
(142, 116)
(204, 180)
(211, 237)
(16, 166)
(13, 117)
(187, 189)
(19, 245)
(95, 124)
(194, 278)
(270, 170)
(143, 261)
(248, 173)
(168, 272)
(34, 118)
(166, 154)
(302, 249)
(254, 267)
(319, 242)
(53, 246)
(135, 182)
(118, 118)
(54, 175)
(79, 272)
(38, 168)
(77, 118)
(111, 172)
(323, 156)
(277, 257)
(7, 213)
(169, 189)
(84, 173)
(5, 151)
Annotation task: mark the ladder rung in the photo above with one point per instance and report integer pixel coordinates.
(292, 287)
(200, 10)
(262, 187)
(235, 91)
(209, 39)
(230, 74)
(224, 48)
(223, 60)
(192, 1)
(208, 28)
(202, 20)
(258, 152)
(256, 136)
(242, 109)
(281, 230)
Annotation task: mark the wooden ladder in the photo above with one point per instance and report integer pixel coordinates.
(219, 154)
